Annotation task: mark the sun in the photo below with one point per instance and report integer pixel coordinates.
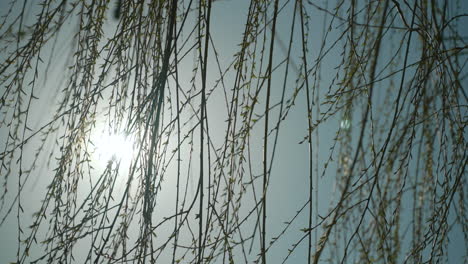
(112, 147)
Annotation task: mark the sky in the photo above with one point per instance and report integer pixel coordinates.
(288, 189)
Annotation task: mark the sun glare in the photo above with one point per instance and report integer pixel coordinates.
(114, 147)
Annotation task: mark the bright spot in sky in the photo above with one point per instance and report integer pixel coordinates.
(114, 147)
(345, 123)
